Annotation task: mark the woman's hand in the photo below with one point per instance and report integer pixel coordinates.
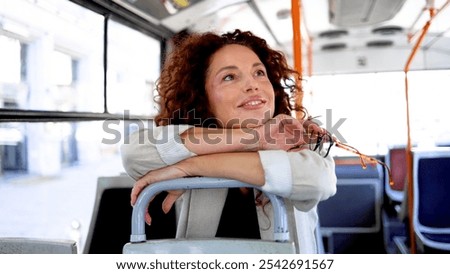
(287, 133)
(158, 175)
(281, 132)
(314, 130)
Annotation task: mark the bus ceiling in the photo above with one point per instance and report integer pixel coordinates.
(346, 36)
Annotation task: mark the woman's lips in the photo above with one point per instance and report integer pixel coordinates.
(253, 103)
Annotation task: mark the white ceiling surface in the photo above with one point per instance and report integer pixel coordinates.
(226, 15)
(316, 20)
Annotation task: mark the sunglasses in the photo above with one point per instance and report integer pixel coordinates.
(323, 142)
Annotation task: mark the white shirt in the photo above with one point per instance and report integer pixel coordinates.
(304, 178)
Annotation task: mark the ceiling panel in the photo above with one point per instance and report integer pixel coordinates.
(272, 20)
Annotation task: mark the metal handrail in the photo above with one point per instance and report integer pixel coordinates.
(281, 232)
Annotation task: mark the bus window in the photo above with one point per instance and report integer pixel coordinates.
(132, 70)
(63, 127)
(54, 57)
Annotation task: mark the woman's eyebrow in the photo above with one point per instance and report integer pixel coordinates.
(235, 67)
(226, 68)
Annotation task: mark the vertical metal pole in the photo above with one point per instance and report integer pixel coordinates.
(105, 64)
(409, 161)
(297, 45)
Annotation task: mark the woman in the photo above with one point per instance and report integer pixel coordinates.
(225, 113)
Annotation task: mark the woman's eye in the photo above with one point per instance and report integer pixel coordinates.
(260, 72)
(228, 77)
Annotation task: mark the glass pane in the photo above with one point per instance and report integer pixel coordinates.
(369, 110)
(133, 67)
(430, 114)
(52, 56)
(10, 56)
(48, 176)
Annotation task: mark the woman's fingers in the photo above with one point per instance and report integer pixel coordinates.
(281, 132)
(166, 173)
(137, 188)
(171, 198)
(148, 218)
(167, 204)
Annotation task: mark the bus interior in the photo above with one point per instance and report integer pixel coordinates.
(77, 76)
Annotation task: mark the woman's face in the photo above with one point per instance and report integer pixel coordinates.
(239, 91)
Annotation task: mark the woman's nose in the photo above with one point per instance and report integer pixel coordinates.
(251, 84)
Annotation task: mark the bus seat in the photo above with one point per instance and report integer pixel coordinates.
(431, 207)
(140, 245)
(110, 227)
(359, 200)
(394, 217)
(36, 246)
(362, 214)
(394, 211)
(356, 171)
(396, 161)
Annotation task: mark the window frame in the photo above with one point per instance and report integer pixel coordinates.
(109, 11)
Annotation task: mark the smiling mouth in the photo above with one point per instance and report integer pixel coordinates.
(253, 103)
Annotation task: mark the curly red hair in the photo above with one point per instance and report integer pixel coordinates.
(181, 87)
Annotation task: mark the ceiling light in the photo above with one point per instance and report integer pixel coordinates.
(333, 33)
(334, 46)
(283, 14)
(387, 30)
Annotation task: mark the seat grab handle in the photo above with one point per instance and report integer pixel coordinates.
(281, 233)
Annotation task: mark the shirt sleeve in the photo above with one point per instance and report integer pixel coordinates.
(304, 177)
(153, 148)
(277, 172)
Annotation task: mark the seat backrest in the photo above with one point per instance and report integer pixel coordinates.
(110, 225)
(396, 161)
(357, 213)
(36, 246)
(351, 168)
(432, 187)
(431, 206)
(138, 239)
